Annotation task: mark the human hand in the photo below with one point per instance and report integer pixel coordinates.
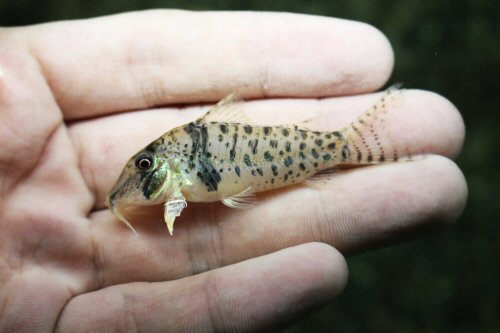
(77, 99)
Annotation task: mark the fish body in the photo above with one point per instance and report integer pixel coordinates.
(224, 157)
(218, 160)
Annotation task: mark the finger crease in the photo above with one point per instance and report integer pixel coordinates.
(98, 281)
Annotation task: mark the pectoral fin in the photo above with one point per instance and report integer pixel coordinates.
(242, 200)
(173, 208)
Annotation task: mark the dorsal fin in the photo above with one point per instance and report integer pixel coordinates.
(228, 110)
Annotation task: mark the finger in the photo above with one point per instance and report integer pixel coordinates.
(24, 94)
(423, 121)
(361, 209)
(262, 293)
(142, 59)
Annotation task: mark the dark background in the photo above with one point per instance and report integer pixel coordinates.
(446, 282)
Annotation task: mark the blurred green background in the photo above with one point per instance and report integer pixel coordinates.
(446, 282)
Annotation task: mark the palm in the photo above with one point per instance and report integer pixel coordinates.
(61, 248)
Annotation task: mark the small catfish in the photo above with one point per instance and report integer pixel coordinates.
(223, 156)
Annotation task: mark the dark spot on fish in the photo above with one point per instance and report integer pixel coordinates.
(232, 152)
(248, 129)
(288, 161)
(208, 175)
(345, 153)
(302, 166)
(314, 153)
(267, 130)
(370, 157)
(254, 148)
(381, 158)
(150, 148)
(327, 157)
(288, 146)
(259, 170)
(302, 145)
(315, 164)
(328, 136)
(303, 134)
(295, 138)
(285, 132)
(273, 143)
(395, 156)
(153, 181)
(237, 170)
(199, 137)
(290, 172)
(331, 145)
(221, 138)
(337, 134)
(274, 169)
(316, 133)
(318, 142)
(268, 156)
(281, 153)
(253, 172)
(221, 170)
(285, 177)
(272, 180)
(246, 160)
(223, 128)
(302, 155)
(191, 162)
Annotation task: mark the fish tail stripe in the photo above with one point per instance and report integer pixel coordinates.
(367, 138)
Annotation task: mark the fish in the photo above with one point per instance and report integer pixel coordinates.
(224, 156)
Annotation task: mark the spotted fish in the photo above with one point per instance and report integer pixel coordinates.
(222, 156)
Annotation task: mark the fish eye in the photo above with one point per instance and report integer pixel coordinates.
(144, 162)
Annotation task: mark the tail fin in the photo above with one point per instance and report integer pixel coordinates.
(367, 139)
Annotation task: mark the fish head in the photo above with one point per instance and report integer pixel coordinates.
(145, 180)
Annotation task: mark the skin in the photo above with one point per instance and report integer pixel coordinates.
(77, 99)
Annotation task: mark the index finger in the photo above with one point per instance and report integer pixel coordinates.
(143, 59)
